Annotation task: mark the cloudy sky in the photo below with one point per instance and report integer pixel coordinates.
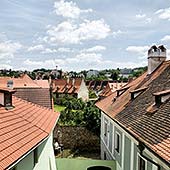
(81, 34)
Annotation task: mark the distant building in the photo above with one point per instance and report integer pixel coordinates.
(92, 73)
(125, 73)
(110, 88)
(74, 87)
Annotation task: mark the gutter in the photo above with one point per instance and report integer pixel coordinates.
(141, 148)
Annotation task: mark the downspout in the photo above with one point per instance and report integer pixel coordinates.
(141, 148)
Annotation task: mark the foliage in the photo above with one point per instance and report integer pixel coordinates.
(92, 94)
(78, 113)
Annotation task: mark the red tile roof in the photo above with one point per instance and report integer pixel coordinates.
(21, 82)
(22, 128)
(35, 91)
(151, 129)
(110, 88)
(63, 86)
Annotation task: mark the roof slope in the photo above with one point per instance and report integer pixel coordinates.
(22, 128)
(153, 130)
(64, 86)
(35, 91)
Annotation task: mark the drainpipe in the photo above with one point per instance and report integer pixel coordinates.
(141, 148)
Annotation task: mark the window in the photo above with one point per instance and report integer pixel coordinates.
(117, 142)
(141, 163)
(35, 156)
(7, 99)
(105, 128)
(105, 156)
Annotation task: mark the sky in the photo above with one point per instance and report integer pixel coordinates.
(77, 35)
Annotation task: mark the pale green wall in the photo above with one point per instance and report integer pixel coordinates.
(45, 154)
(127, 153)
(118, 156)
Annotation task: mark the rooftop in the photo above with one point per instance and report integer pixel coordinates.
(153, 130)
(22, 128)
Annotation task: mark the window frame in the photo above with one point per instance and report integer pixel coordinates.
(138, 162)
(117, 142)
(35, 155)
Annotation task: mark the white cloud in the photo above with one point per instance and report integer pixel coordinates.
(166, 38)
(96, 48)
(8, 49)
(65, 50)
(68, 9)
(48, 50)
(116, 33)
(82, 61)
(69, 33)
(140, 16)
(43, 64)
(138, 50)
(39, 47)
(5, 66)
(163, 13)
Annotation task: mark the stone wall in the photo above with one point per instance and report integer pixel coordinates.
(77, 137)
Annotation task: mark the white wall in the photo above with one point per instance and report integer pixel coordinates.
(83, 92)
(45, 158)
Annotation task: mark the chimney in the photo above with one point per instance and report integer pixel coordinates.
(73, 81)
(6, 98)
(156, 55)
(10, 84)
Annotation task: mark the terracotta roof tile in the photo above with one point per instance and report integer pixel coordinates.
(35, 91)
(153, 130)
(63, 86)
(22, 128)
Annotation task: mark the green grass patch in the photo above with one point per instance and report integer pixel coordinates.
(75, 164)
(59, 108)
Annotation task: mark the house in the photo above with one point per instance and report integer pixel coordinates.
(110, 88)
(135, 120)
(35, 91)
(125, 73)
(97, 85)
(26, 135)
(74, 87)
(91, 73)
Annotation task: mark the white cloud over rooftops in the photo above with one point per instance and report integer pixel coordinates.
(69, 9)
(163, 13)
(97, 48)
(9, 48)
(39, 47)
(68, 32)
(166, 38)
(138, 50)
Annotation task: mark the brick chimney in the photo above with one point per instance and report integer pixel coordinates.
(156, 55)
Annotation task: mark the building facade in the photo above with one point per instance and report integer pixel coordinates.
(135, 119)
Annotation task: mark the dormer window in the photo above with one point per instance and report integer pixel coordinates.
(6, 98)
(121, 91)
(161, 97)
(137, 92)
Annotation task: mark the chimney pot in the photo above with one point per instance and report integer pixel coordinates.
(156, 55)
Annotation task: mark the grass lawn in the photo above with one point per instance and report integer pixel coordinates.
(76, 164)
(59, 108)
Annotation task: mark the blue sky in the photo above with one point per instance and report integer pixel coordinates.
(81, 34)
